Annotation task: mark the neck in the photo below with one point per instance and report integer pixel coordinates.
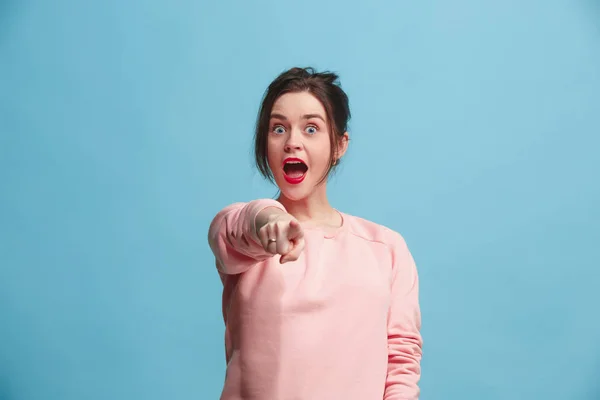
(314, 208)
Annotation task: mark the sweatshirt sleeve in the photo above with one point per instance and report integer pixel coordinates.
(404, 325)
(232, 236)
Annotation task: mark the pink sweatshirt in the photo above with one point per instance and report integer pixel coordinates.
(340, 323)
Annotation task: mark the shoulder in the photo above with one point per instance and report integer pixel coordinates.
(373, 231)
(401, 258)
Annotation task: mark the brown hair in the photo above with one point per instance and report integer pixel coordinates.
(326, 88)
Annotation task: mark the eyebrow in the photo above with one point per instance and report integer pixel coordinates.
(305, 116)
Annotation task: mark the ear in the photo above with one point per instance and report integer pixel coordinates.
(342, 146)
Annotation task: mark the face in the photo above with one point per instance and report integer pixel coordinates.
(298, 144)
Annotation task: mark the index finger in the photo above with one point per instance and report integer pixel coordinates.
(295, 230)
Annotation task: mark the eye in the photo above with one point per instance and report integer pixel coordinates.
(278, 130)
(311, 129)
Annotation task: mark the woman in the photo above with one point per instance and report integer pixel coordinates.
(318, 304)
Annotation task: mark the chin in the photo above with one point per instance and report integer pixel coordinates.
(295, 192)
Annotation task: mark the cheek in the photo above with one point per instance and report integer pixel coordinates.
(322, 154)
(273, 154)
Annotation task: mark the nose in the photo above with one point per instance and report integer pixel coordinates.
(293, 142)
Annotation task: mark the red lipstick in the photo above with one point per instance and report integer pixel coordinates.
(295, 179)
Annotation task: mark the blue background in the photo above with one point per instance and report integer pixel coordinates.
(125, 126)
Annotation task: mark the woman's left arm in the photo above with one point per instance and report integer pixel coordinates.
(404, 325)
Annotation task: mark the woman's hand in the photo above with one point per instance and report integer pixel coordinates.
(280, 233)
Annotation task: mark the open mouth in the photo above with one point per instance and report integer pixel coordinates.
(294, 170)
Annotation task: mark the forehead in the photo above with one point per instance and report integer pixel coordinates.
(297, 104)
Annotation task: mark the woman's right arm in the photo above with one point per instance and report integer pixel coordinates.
(233, 236)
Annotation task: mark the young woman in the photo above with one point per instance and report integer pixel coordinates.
(318, 304)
